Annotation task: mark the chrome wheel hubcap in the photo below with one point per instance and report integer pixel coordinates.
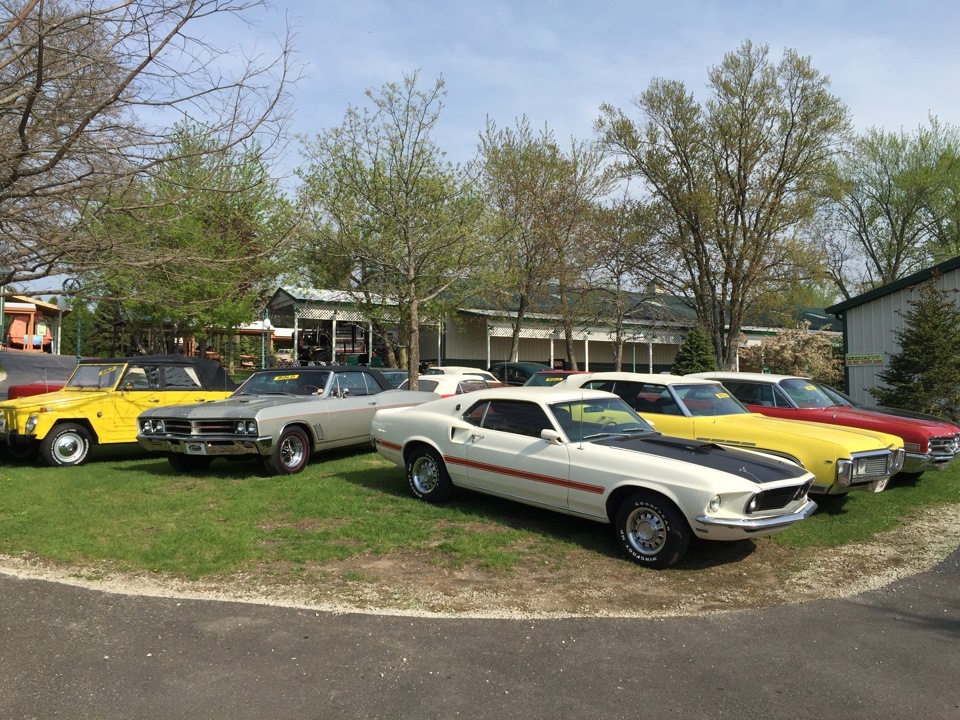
(646, 531)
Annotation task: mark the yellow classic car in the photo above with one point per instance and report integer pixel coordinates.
(842, 459)
(100, 404)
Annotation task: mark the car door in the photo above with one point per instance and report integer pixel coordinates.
(140, 388)
(507, 456)
(349, 407)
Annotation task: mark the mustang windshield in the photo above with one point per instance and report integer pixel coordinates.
(596, 417)
(94, 376)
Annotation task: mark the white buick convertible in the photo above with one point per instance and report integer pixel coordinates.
(587, 453)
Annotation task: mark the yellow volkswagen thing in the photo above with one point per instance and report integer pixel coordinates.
(842, 459)
(100, 404)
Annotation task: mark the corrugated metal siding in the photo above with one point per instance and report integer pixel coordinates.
(871, 328)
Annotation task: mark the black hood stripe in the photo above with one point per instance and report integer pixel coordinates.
(716, 457)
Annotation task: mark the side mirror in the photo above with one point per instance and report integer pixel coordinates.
(551, 436)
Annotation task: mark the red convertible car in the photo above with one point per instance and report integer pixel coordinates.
(930, 444)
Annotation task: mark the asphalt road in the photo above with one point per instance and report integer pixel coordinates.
(68, 652)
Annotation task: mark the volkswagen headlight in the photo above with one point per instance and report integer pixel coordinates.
(32, 423)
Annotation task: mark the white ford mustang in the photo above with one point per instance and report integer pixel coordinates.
(587, 453)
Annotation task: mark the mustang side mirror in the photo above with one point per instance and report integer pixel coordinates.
(551, 436)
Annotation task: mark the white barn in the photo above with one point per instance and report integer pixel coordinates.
(870, 321)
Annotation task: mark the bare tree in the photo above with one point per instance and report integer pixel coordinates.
(540, 199)
(735, 179)
(91, 92)
(399, 224)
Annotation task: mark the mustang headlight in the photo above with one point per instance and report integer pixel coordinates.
(714, 505)
(753, 504)
(32, 423)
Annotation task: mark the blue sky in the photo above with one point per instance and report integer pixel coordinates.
(556, 61)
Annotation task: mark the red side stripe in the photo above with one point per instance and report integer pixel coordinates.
(510, 472)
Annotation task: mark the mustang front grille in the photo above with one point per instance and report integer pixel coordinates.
(778, 497)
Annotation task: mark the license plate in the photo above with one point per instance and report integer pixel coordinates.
(195, 448)
(879, 485)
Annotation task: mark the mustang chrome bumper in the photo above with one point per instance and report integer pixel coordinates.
(756, 525)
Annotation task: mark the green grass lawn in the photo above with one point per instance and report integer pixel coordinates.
(135, 512)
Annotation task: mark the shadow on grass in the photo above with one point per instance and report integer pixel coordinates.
(512, 515)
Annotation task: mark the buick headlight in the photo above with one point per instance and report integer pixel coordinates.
(241, 428)
(844, 470)
(32, 423)
(246, 427)
(158, 426)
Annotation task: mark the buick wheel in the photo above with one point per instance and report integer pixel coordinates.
(65, 445)
(291, 453)
(427, 475)
(651, 531)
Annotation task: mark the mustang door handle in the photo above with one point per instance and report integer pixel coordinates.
(372, 403)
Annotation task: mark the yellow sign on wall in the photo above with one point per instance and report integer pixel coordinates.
(868, 359)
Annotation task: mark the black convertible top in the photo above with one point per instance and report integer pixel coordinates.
(212, 374)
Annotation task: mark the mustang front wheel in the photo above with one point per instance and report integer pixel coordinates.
(66, 444)
(651, 530)
(427, 475)
(290, 454)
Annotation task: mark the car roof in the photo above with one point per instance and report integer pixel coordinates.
(755, 376)
(521, 364)
(213, 376)
(549, 395)
(636, 377)
(457, 369)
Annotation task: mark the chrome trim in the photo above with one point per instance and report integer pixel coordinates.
(220, 444)
(758, 524)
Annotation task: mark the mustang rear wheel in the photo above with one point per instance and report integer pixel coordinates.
(66, 444)
(290, 454)
(188, 463)
(651, 530)
(427, 475)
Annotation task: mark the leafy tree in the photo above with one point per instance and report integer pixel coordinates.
(400, 224)
(87, 90)
(898, 207)
(93, 328)
(216, 221)
(734, 180)
(924, 374)
(696, 353)
(797, 351)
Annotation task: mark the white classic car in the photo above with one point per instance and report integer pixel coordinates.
(586, 453)
(282, 416)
